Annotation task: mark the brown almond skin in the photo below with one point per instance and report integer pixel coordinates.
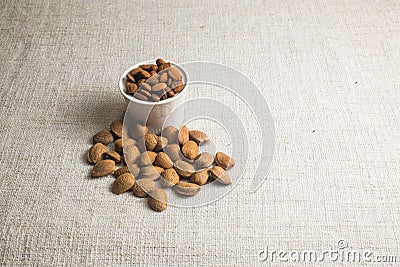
(174, 152)
(158, 87)
(174, 73)
(190, 150)
(150, 141)
(183, 135)
(198, 136)
(170, 177)
(97, 151)
(204, 160)
(103, 168)
(163, 161)
(131, 154)
(184, 169)
(88, 156)
(164, 78)
(149, 172)
(160, 61)
(220, 175)
(161, 143)
(158, 199)
(147, 158)
(105, 137)
(171, 133)
(123, 183)
(121, 170)
(118, 145)
(142, 187)
(224, 161)
(187, 189)
(116, 128)
(158, 169)
(112, 155)
(139, 131)
(200, 177)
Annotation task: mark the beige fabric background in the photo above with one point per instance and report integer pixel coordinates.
(328, 66)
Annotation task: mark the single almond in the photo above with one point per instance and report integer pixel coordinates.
(149, 172)
(220, 175)
(159, 87)
(112, 155)
(204, 160)
(145, 86)
(131, 154)
(147, 158)
(135, 71)
(105, 137)
(174, 152)
(174, 73)
(116, 128)
(160, 61)
(187, 189)
(123, 183)
(183, 135)
(143, 186)
(190, 150)
(118, 145)
(147, 67)
(200, 177)
(144, 74)
(158, 199)
(164, 78)
(224, 161)
(88, 156)
(150, 141)
(158, 169)
(184, 169)
(121, 170)
(163, 67)
(103, 168)
(198, 136)
(171, 133)
(97, 151)
(139, 131)
(131, 88)
(164, 161)
(162, 142)
(169, 177)
(177, 86)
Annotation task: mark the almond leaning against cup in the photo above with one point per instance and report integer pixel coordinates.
(158, 199)
(224, 161)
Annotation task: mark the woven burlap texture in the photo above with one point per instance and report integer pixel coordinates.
(328, 70)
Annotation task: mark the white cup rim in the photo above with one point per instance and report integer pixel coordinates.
(122, 79)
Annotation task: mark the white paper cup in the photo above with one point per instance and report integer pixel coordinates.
(154, 114)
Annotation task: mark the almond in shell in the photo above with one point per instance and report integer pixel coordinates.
(116, 128)
(112, 155)
(198, 136)
(190, 150)
(147, 158)
(164, 161)
(204, 160)
(184, 169)
(183, 135)
(187, 189)
(174, 152)
(171, 133)
(103, 168)
(149, 172)
(150, 141)
(96, 152)
(143, 186)
(224, 161)
(200, 177)
(105, 137)
(169, 177)
(161, 143)
(123, 183)
(220, 175)
(158, 199)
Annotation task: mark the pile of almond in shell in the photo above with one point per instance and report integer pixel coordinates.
(154, 82)
(171, 159)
